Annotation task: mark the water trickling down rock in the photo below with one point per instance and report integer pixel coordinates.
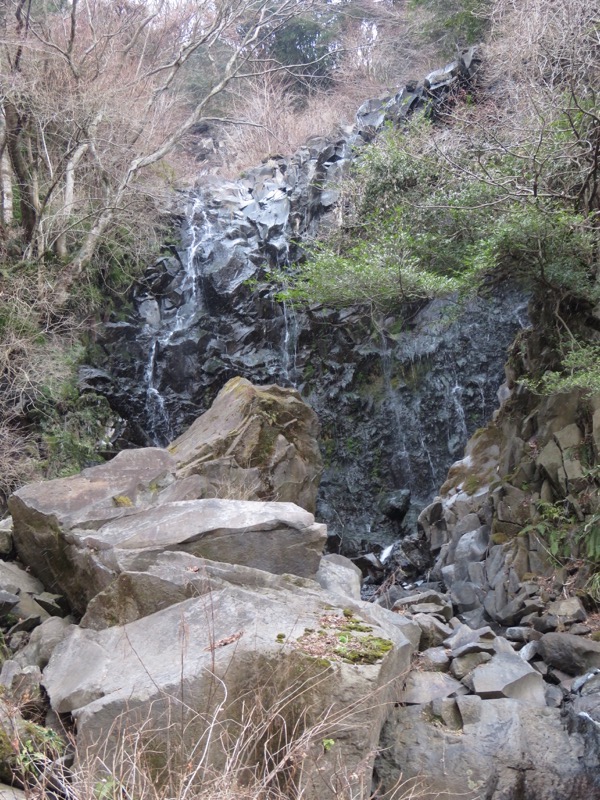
(396, 400)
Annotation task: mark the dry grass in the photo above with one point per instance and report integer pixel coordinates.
(257, 747)
(280, 124)
(36, 359)
(275, 120)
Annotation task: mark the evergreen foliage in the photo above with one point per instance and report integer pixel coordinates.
(424, 221)
(307, 46)
(455, 24)
(505, 185)
(580, 370)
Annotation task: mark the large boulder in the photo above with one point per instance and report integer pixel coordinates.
(256, 442)
(507, 675)
(80, 563)
(257, 445)
(45, 513)
(502, 749)
(571, 654)
(274, 665)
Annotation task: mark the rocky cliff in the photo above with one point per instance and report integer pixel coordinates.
(171, 596)
(397, 396)
(514, 533)
(168, 618)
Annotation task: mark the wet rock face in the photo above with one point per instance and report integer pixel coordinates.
(396, 407)
(397, 400)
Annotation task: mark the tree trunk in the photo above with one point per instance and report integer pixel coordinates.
(71, 272)
(60, 245)
(25, 184)
(6, 178)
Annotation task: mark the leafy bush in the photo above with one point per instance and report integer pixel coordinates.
(375, 273)
(565, 539)
(430, 211)
(580, 369)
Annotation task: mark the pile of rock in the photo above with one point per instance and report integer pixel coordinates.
(523, 663)
(193, 608)
(489, 554)
(502, 713)
(186, 602)
(515, 709)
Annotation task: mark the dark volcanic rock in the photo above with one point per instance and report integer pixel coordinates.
(396, 399)
(571, 654)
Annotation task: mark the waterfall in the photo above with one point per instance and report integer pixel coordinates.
(398, 410)
(394, 414)
(290, 342)
(459, 429)
(158, 418)
(199, 231)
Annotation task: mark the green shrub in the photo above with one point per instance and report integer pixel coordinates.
(580, 369)
(430, 212)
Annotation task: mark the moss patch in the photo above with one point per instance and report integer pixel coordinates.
(264, 448)
(343, 638)
(366, 650)
(479, 467)
(472, 484)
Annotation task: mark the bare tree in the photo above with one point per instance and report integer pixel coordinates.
(544, 64)
(94, 97)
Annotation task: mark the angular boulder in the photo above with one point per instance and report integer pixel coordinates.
(80, 563)
(45, 513)
(255, 442)
(339, 575)
(200, 675)
(423, 687)
(503, 749)
(571, 654)
(507, 675)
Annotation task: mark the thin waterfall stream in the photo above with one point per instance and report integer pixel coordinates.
(198, 231)
(395, 411)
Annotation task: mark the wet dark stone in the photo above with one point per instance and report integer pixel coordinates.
(397, 398)
(395, 504)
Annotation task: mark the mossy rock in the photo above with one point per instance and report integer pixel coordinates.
(122, 501)
(8, 758)
(508, 529)
(479, 466)
(472, 484)
(366, 650)
(254, 443)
